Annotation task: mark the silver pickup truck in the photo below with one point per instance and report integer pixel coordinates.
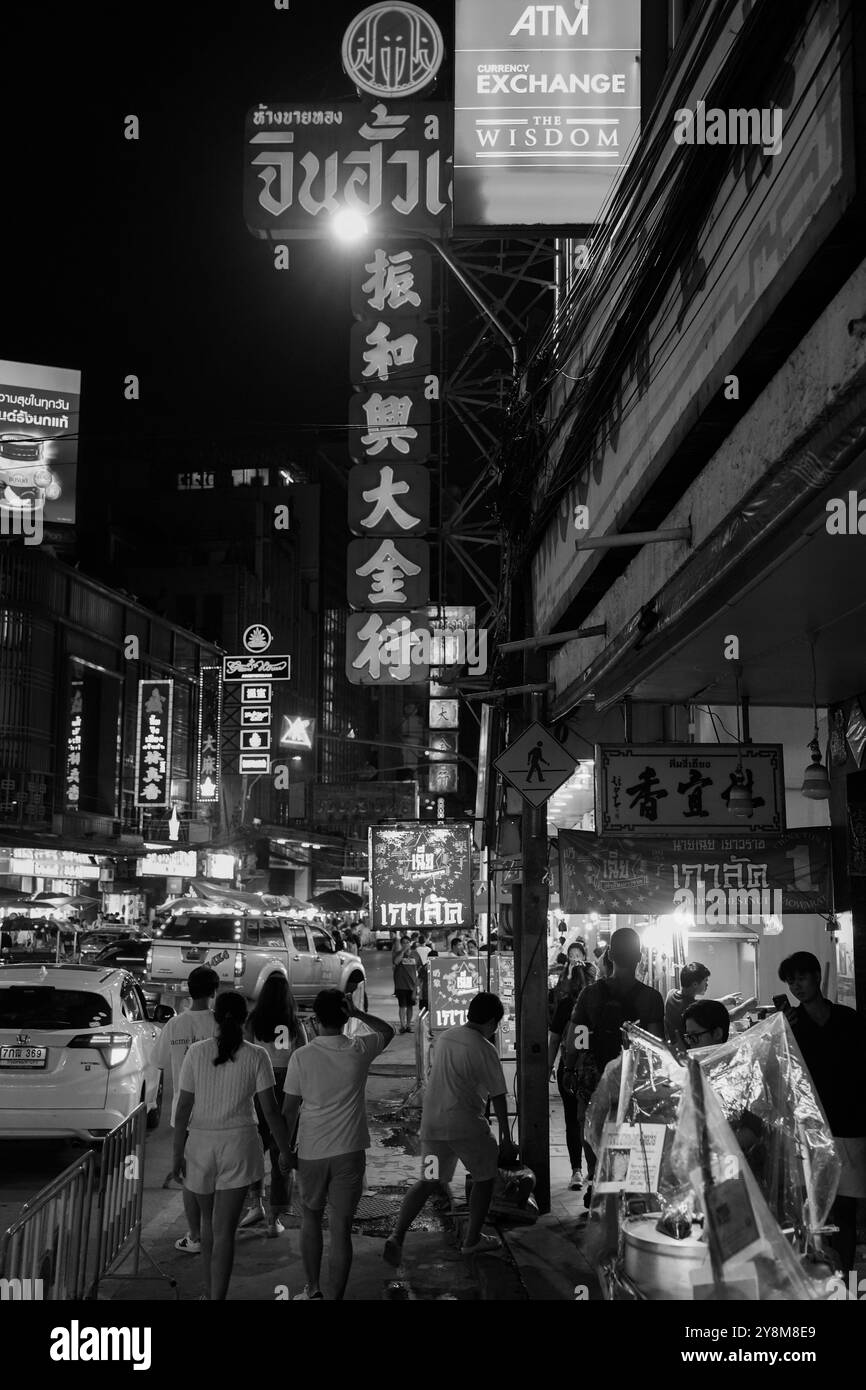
(244, 948)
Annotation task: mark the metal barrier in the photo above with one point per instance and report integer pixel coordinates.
(120, 1194)
(119, 1202)
(47, 1247)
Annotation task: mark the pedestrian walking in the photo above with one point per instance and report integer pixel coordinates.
(404, 964)
(217, 1149)
(325, 1097)
(600, 1011)
(832, 1039)
(177, 1037)
(466, 1072)
(275, 1025)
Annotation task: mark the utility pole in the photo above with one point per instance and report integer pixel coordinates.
(530, 961)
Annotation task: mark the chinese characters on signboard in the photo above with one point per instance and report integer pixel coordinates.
(153, 744)
(209, 734)
(421, 877)
(547, 108)
(306, 163)
(392, 371)
(654, 789)
(73, 746)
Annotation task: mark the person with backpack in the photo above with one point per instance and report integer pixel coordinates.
(601, 1010)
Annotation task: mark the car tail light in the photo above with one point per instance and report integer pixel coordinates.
(240, 964)
(114, 1047)
(148, 961)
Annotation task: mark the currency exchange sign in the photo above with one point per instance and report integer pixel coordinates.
(306, 162)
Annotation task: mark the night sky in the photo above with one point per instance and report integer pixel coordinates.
(134, 257)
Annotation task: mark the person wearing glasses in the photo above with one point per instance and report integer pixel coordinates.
(705, 1023)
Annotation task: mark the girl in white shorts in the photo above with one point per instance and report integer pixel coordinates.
(217, 1149)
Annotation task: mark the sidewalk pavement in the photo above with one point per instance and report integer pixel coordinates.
(538, 1262)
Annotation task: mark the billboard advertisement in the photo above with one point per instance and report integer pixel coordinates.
(547, 107)
(39, 408)
(421, 876)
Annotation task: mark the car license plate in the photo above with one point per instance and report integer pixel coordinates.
(23, 1056)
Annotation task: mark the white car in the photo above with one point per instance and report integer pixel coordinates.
(76, 1051)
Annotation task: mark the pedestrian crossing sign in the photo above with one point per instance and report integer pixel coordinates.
(536, 764)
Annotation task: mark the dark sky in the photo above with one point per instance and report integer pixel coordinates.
(134, 257)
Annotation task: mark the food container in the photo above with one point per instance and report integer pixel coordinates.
(658, 1265)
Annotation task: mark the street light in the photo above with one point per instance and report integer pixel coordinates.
(348, 225)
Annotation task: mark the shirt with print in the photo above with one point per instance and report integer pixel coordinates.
(330, 1076)
(466, 1070)
(175, 1041)
(224, 1094)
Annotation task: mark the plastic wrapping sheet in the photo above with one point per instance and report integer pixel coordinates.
(766, 1128)
(766, 1094)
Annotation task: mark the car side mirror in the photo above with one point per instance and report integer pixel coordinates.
(160, 1013)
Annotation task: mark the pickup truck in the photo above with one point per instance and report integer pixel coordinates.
(244, 948)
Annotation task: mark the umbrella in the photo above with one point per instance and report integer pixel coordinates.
(338, 900)
(64, 900)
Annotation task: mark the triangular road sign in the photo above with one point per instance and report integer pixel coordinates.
(536, 764)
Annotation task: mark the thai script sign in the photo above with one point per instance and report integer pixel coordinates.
(421, 877)
(717, 878)
(305, 163)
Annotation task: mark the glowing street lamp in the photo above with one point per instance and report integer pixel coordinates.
(348, 225)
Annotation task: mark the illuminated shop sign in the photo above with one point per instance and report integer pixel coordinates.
(209, 733)
(421, 877)
(39, 409)
(547, 107)
(179, 863)
(153, 744)
(392, 50)
(73, 746)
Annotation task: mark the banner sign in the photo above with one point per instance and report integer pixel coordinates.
(547, 106)
(73, 746)
(39, 409)
(421, 877)
(453, 982)
(153, 744)
(335, 804)
(654, 789)
(305, 163)
(719, 879)
(209, 721)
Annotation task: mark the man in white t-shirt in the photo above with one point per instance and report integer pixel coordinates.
(466, 1071)
(177, 1037)
(325, 1095)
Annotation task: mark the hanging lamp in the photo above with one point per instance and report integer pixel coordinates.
(816, 780)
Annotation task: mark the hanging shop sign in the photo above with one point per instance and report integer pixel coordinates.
(49, 863)
(547, 108)
(306, 162)
(297, 732)
(257, 638)
(391, 427)
(421, 876)
(180, 863)
(256, 694)
(653, 789)
(443, 778)
(395, 282)
(255, 740)
(209, 734)
(387, 574)
(383, 352)
(254, 762)
(255, 716)
(443, 714)
(441, 746)
(335, 804)
(73, 746)
(389, 499)
(39, 409)
(453, 982)
(716, 879)
(393, 50)
(257, 668)
(153, 744)
(388, 649)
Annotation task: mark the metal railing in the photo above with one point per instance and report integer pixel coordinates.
(52, 1239)
(120, 1195)
(49, 1242)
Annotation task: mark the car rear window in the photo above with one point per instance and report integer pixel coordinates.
(213, 930)
(42, 1006)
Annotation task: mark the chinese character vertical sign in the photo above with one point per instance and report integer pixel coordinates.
(209, 734)
(390, 416)
(153, 744)
(73, 746)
